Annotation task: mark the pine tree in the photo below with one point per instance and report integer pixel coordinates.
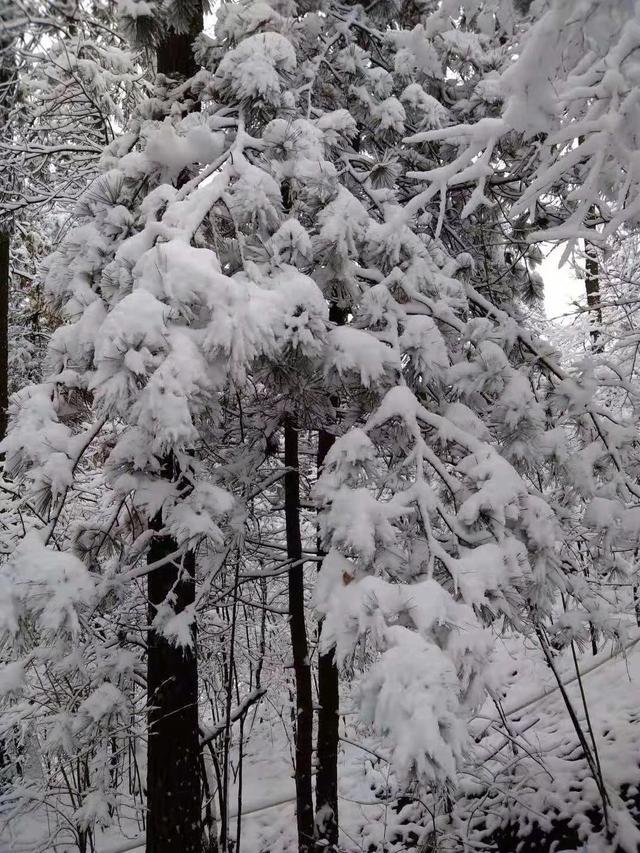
(173, 735)
(317, 246)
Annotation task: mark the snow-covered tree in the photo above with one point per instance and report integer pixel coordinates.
(70, 85)
(313, 241)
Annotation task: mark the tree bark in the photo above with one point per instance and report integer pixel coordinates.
(174, 54)
(174, 815)
(299, 645)
(326, 818)
(592, 287)
(173, 747)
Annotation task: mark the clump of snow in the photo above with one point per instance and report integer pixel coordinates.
(355, 350)
(256, 68)
(48, 585)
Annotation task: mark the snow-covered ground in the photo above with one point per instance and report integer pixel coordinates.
(525, 773)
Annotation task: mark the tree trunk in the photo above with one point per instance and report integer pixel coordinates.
(592, 287)
(4, 331)
(173, 749)
(326, 819)
(174, 55)
(299, 645)
(174, 816)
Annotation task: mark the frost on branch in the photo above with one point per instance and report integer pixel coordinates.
(571, 81)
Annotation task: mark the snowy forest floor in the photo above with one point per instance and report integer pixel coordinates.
(527, 774)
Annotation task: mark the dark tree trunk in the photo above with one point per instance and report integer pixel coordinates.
(174, 816)
(299, 645)
(592, 287)
(326, 821)
(174, 54)
(173, 750)
(4, 331)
